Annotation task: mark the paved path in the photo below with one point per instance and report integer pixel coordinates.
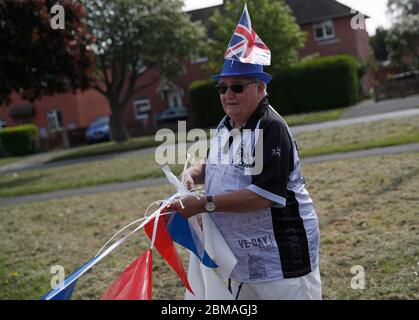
(369, 107)
(150, 182)
(349, 121)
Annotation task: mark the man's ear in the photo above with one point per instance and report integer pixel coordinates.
(261, 89)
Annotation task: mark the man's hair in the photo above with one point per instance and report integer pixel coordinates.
(265, 92)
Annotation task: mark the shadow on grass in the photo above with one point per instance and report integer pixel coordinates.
(19, 182)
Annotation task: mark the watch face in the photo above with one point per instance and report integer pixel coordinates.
(210, 206)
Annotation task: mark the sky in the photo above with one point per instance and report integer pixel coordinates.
(375, 9)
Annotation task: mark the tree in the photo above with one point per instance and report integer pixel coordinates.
(402, 39)
(403, 7)
(271, 20)
(378, 44)
(132, 35)
(37, 60)
(403, 42)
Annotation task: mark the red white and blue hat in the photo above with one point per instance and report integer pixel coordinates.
(246, 53)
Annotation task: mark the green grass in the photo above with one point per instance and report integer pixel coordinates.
(360, 136)
(148, 141)
(121, 169)
(314, 117)
(368, 211)
(108, 147)
(8, 160)
(137, 167)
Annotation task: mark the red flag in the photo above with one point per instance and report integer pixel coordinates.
(165, 246)
(135, 283)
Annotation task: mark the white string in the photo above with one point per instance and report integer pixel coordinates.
(184, 169)
(133, 222)
(128, 225)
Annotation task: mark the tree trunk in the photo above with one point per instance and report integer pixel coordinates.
(119, 131)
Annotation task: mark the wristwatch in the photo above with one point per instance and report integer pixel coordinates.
(210, 205)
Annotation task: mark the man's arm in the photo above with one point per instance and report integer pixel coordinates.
(239, 201)
(194, 175)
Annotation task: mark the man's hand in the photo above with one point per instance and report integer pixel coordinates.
(191, 204)
(187, 180)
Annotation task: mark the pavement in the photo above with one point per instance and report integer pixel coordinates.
(370, 107)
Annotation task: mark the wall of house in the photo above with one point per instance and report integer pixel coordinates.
(342, 43)
(193, 71)
(347, 40)
(91, 105)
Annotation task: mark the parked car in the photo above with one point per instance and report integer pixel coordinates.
(98, 130)
(172, 114)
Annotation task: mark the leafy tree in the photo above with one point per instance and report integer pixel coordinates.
(402, 42)
(132, 35)
(37, 60)
(378, 44)
(274, 23)
(403, 7)
(402, 39)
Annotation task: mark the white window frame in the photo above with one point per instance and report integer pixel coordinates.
(323, 25)
(3, 123)
(174, 99)
(142, 108)
(53, 120)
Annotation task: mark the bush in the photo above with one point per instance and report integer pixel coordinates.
(206, 109)
(318, 84)
(19, 140)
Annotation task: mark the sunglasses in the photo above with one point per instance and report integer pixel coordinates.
(236, 88)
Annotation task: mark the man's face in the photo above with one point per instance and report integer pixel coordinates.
(240, 106)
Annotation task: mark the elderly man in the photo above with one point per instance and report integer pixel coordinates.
(255, 193)
(267, 217)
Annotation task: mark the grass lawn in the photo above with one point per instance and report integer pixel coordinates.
(368, 210)
(148, 141)
(7, 160)
(314, 117)
(135, 167)
(382, 133)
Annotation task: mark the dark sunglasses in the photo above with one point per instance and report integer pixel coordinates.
(236, 88)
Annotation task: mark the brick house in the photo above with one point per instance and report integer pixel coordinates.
(328, 27)
(327, 23)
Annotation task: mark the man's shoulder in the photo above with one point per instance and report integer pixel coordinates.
(271, 120)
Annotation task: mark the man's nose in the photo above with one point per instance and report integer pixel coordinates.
(229, 92)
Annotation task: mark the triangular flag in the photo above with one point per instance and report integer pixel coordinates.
(165, 246)
(135, 283)
(181, 233)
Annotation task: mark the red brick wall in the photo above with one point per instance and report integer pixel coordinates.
(347, 40)
(78, 109)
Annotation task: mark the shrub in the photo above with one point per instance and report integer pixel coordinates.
(206, 109)
(19, 140)
(318, 84)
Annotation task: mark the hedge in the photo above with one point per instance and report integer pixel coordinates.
(318, 84)
(321, 83)
(19, 140)
(205, 109)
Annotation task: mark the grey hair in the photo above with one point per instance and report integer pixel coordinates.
(265, 86)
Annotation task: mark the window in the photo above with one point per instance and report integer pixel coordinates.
(142, 108)
(55, 120)
(324, 30)
(174, 99)
(3, 123)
